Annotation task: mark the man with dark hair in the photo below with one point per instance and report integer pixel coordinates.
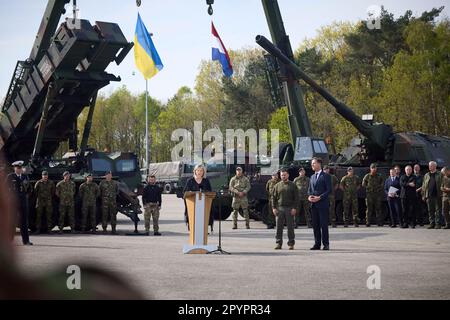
(319, 190)
(284, 204)
(152, 201)
(302, 183)
(19, 185)
(392, 192)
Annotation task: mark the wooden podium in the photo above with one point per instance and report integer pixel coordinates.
(199, 207)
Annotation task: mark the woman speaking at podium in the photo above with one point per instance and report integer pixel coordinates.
(198, 183)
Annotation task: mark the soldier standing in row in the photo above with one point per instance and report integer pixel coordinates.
(239, 188)
(44, 189)
(432, 194)
(65, 190)
(332, 196)
(302, 183)
(19, 185)
(269, 188)
(89, 192)
(109, 190)
(374, 184)
(152, 200)
(284, 203)
(446, 197)
(350, 185)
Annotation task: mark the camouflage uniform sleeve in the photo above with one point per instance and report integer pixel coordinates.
(275, 197)
(365, 181)
(58, 189)
(231, 186)
(342, 184)
(248, 186)
(36, 187)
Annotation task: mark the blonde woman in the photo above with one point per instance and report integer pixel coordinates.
(198, 182)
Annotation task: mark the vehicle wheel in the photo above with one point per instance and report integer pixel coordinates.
(167, 188)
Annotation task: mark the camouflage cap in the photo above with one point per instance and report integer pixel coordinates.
(45, 173)
(66, 173)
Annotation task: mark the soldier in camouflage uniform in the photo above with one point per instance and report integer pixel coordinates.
(331, 197)
(89, 192)
(65, 190)
(374, 184)
(302, 183)
(45, 189)
(239, 188)
(109, 189)
(446, 197)
(269, 188)
(350, 185)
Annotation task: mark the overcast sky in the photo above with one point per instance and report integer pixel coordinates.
(182, 30)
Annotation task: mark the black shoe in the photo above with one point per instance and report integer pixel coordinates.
(315, 248)
(368, 225)
(29, 243)
(394, 226)
(356, 225)
(405, 226)
(334, 225)
(345, 225)
(147, 233)
(413, 227)
(157, 234)
(326, 248)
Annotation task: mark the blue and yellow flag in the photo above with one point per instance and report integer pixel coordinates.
(147, 58)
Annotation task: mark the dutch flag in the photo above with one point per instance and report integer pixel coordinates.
(220, 53)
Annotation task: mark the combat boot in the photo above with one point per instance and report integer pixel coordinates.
(157, 234)
(113, 230)
(278, 247)
(431, 226)
(356, 225)
(234, 226)
(291, 247)
(438, 226)
(333, 225)
(247, 226)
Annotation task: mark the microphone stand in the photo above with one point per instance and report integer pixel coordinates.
(219, 247)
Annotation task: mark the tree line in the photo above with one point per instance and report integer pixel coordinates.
(400, 74)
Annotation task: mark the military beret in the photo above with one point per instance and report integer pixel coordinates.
(66, 173)
(44, 173)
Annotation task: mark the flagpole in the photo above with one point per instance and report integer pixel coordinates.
(147, 150)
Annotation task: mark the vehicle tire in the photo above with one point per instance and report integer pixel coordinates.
(167, 188)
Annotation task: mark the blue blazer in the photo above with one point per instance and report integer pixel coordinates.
(322, 187)
(389, 183)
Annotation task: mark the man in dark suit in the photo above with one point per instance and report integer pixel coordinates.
(319, 190)
(393, 198)
(408, 196)
(19, 186)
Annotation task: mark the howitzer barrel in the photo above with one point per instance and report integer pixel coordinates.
(378, 134)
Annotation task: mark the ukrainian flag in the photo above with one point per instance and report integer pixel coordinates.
(145, 54)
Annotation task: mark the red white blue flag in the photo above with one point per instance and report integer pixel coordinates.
(220, 53)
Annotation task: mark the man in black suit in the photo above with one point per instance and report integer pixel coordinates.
(318, 192)
(19, 185)
(408, 196)
(393, 198)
